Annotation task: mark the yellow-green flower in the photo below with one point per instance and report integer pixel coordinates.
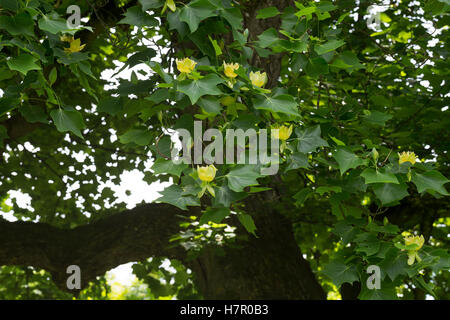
(407, 156)
(283, 133)
(66, 38)
(412, 254)
(207, 173)
(171, 4)
(258, 79)
(75, 45)
(230, 68)
(186, 65)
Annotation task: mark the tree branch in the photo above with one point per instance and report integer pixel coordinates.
(131, 235)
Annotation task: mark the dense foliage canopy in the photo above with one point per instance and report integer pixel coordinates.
(362, 110)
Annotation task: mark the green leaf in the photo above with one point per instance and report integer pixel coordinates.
(7, 104)
(328, 47)
(367, 243)
(349, 61)
(5, 73)
(388, 228)
(159, 95)
(225, 196)
(394, 263)
(386, 292)
(302, 196)
(136, 17)
(306, 11)
(377, 118)
(159, 70)
(325, 6)
(174, 195)
(21, 24)
(316, 67)
(162, 166)
(347, 159)
(241, 177)
(309, 139)
(140, 137)
(372, 176)
(267, 13)
(52, 76)
(340, 273)
(23, 63)
(291, 46)
(195, 89)
(248, 223)
(283, 103)
(135, 106)
(234, 17)
(72, 58)
(143, 55)
(430, 180)
(337, 141)
(111, 105)
(11, 5)
(53, 24)
(268, 38)
(68, 120)
(346, 231)
(428, 287)
(151, 4)
(33, 113)
(216, 46)
(443, 262)
(390, 193)
(298, 160)
(195, 12)
(215, 215)
(210, 105)
(328, 189)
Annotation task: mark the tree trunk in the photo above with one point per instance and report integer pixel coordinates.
(268, 267)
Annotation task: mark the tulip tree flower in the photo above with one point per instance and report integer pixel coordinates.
(229, 69)
(206, 175)
(66, 38)
(282, 133)
(258, 79)
(75, 45)
(169, 4)
(407, 157)
(412, 254)
(185, 65)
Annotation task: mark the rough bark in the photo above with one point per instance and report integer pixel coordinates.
(270, 266)
(271, 64)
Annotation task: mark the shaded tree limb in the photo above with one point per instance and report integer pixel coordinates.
(131, 235)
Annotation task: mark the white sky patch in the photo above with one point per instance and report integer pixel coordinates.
(122, 274)
(133, 189)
